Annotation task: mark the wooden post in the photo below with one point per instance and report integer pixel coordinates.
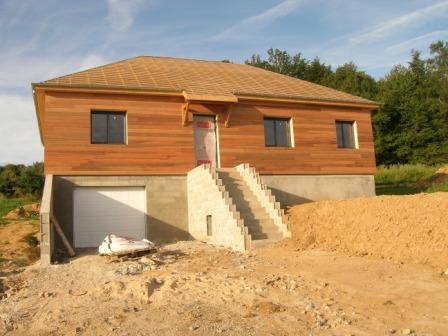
(185, 108)
(67, 244)
(229, 113)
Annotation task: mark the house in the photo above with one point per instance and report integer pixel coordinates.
(174, 149)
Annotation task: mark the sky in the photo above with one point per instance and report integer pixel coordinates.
(43, 39)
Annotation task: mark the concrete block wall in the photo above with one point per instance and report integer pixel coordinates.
(265, 197)
(207, 196)
(46, 232)
(298, 189)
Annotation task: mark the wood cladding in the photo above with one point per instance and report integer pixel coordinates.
(158, 143)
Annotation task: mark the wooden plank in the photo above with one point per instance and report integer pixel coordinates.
(229, 113)
(61, 234)
(159, 145)
(185, 108)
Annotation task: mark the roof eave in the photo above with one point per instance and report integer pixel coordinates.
(36, 110)
(371, 105)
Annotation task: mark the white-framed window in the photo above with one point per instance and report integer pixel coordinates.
(346, 134)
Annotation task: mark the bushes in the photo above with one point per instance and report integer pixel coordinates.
(401, 174)
(21, 180)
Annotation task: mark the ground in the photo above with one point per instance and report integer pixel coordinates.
(379, 280)
(189, 288)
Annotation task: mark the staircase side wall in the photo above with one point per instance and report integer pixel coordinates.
(207, 197)
(264, 196)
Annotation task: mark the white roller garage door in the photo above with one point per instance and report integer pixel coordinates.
(98, 211)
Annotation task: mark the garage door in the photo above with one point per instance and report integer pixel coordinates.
(100, 211)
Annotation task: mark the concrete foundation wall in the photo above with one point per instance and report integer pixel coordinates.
(166, 197)
(296, 189)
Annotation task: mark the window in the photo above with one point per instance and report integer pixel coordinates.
(277, 132)
(209, 225)
(108, 128)
(346, 134)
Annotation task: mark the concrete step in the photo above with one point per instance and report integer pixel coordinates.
(249, 216)
(259, 231)
(272, 236)
(256, 219)
(264, 222)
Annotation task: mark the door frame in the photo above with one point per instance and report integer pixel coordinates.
(217, 151)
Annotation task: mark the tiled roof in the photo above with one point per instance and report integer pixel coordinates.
(199, 78)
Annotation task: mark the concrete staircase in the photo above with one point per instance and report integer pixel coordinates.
(255, 214)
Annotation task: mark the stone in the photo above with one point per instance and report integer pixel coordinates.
(309, 307)
(407, 332)
(193, 328)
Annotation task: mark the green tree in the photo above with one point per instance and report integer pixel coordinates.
(349, 79)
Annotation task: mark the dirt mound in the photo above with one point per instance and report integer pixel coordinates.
(410, 228)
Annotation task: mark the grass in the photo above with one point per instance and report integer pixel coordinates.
(31, 240)
(9, 204)
(400, 174)
(406, 180)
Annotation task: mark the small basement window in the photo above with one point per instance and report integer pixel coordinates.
(209, 225)
(277, 132)
(108, 127)
(346, 134)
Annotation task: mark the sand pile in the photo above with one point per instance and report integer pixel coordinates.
(410, 228)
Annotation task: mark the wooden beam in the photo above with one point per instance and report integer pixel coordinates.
(261, 99)
(229, 113)
(185, 108)
(71, 251)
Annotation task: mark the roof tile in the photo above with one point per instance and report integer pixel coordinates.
(199, 78)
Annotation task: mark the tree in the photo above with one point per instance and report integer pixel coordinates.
(21, 180)
(349, 79)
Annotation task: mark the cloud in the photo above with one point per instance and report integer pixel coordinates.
(255, 22)
(416, 42)
(121, 13)
(91, 61)
(20, 136)
(385, 29)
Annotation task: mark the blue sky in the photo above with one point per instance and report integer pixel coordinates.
(47, 38)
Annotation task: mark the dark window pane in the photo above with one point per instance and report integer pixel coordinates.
(345, 134)
(282, 133)
(277, 132)
(116, 128)
(269, 133)
(99, 128)
(339, 134)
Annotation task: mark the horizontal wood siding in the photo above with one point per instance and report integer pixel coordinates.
(159, 144)
(315, 150)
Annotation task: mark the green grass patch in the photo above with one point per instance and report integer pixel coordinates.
(401, 174)
(437, 187)
(31, 240)
(397, 190)
(409, 190)
(9, 204)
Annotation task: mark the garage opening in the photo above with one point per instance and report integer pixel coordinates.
(99, 211)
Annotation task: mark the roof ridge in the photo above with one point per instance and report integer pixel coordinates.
(187, 59)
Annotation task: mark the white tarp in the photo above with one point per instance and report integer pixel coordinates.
(118, 245)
